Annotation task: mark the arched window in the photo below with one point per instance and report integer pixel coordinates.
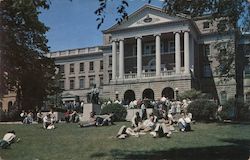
(168, 93)
(148, 93)
(129, 96)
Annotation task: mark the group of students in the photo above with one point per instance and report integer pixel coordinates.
(162, 126)
(48, 120)
(27, 117)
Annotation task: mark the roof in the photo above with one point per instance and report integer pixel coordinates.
(139, 12)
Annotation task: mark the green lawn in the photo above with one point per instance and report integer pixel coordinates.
(68, 142)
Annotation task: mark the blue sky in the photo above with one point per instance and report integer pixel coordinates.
(73, 23)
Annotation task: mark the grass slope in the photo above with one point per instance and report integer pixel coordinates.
(68, 142)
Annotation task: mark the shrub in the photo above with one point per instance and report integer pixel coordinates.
(193, 95)
(203, 109)
(119, 111)
(228, 110)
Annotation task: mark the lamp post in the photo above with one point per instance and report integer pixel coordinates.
(176, 93)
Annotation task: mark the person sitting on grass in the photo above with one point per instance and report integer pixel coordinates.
(23, 116)
(147, 125)
(91, 122)
(136, 120)
(48, 122)
(184, 123)
(67, 116)
(74, 117)
(162, 128)
(39, 117)
(8, 139)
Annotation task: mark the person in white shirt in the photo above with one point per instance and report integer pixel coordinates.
(48, 122)
(147, 125)
(39, 117)
(8, 139)
(184, 123)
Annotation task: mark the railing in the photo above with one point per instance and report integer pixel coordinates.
(74, 52)
(148, 74)
(130, 76)
(168, 73)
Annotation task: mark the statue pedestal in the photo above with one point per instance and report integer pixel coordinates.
(88, 108)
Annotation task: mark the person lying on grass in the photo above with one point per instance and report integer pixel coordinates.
(8, 139)
(100, 120)
(146, 126)
(163, 127)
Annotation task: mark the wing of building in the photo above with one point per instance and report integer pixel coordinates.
(149, 55)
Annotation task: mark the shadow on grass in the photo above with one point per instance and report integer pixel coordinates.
(234, 149)
(231, 152)
(237, 149)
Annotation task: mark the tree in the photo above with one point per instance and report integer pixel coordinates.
(232, 18)
(24, 66)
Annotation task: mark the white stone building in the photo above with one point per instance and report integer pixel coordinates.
(149, 55)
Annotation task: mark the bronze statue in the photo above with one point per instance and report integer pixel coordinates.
(93, 95)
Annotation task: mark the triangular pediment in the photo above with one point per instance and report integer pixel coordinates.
(147, 15)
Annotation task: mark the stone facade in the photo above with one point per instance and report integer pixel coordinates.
(149, 55)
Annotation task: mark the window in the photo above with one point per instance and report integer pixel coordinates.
(61, 84)
(248, 97)
(171, 46)
(81, 83)
(91, 66)
(82, 67)
(72, 84)
(61, 69)
(207, 72)
(205, 25)
(162, 48)
(247, 71)
(101, 80)
(101, 65)
(223, 97)
(91, 81)
(206, 49)
(147, 49)
(110, 60)
(110, 76)
(152, 49)
(71, 68)
(134, 50)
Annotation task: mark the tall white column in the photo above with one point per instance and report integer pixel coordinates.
(139, 56)
(158, 54)
(191, 64)
(121, 59)
(186, 52)
(114, 60)
(177, 53)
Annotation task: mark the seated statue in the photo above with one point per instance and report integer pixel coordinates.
(93, 95)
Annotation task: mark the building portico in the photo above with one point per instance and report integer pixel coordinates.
(180, 43)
